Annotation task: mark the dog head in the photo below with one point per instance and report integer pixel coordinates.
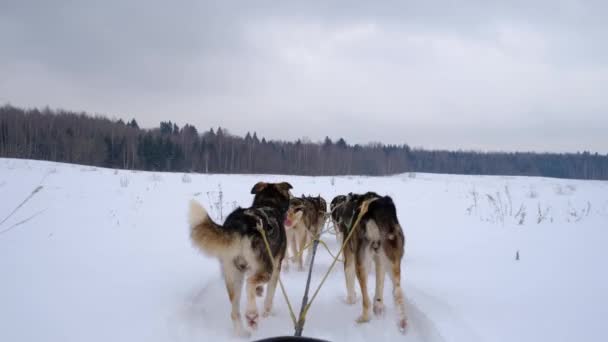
(272, 195)
(317, 202)
(337, 201)
(295, 212)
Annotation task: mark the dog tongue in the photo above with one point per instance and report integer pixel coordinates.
(287, 222)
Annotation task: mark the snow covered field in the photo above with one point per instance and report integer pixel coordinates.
(103, 255)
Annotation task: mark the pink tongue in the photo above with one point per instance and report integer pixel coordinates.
(287, 222)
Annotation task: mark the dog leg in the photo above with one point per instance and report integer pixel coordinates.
(234, 286)
(251, 314)
(290, 247)
(338, 233)
(303, 236)
(360, 262)
(309, 238)
(378, 300)
(272, 286)
(398, 294)
(294, 245)
(349, 274)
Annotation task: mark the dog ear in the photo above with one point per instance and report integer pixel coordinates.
(258, 187)
(284, 186)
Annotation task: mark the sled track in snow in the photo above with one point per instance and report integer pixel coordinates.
(206, 310)
(421, 324)
(430, 331)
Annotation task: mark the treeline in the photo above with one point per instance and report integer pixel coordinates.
(80, 138)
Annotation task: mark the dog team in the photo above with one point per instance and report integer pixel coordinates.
(294, 222)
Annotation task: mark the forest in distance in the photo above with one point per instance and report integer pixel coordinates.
(80, 138)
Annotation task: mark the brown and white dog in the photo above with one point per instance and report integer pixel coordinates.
(378, 236)
(304, 221)
(241, 250)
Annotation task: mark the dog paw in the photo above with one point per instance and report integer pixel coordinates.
(267, 312)
(402, 324)
(378, 308)
(350, 300)
(362, 319)
(301, 269)
(252, 319)
(259, 291)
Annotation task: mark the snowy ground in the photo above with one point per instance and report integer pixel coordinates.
(104, 255)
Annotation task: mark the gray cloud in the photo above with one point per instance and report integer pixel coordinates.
(475, 74)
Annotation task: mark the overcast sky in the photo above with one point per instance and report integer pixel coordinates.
(487, 75)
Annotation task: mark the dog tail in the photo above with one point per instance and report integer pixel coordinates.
(383, 211)
(207, 235)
